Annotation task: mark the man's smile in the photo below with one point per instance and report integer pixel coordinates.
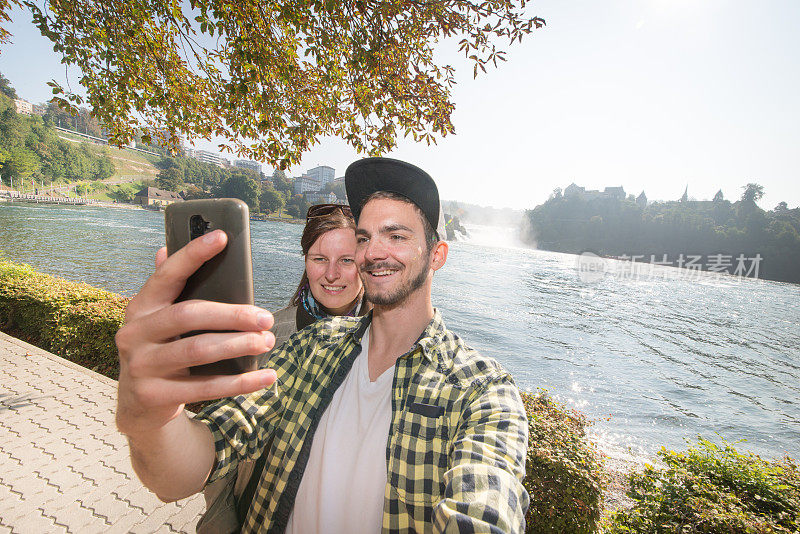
(385, 272)
(381, 270)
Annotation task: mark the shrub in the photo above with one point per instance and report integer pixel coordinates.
(710, 489)
(565, 474)
(74, 320)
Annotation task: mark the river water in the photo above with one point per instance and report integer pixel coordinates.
(653, 358)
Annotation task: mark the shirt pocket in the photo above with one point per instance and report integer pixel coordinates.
(419, 457)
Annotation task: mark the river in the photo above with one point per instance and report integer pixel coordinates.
(652, 359)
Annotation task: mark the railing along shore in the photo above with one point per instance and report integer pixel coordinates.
(16, 196)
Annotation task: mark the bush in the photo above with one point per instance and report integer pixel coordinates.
(565, 474)
(74, 320)
(712, 489)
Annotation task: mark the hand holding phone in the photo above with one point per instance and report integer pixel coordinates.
(228, 276)
(169, 451)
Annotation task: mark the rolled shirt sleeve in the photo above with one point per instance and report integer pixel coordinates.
(241, 426)
(483, 485)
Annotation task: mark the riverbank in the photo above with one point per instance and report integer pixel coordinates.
(13, 197)
(118, 205)
(277, 219)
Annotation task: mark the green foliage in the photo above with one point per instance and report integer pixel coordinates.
(103, 167)
(271, 201)
(711, 488)
(565, 474)
(241, 184)
(297, 206)
(81, 121)
(170, 179)
(20, 163)
(178, 170)
(337, 188)
(282, 184)
(194, 193)
(117, 192)
(5, 85)
(31, 150)
(73, 320)
(83, 190)
(273, 77)
(752, 193)
(578, 222)
(279, 174)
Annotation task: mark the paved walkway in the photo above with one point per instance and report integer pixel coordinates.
(63, 465)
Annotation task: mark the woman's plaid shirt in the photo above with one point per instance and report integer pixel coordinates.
(456, 447)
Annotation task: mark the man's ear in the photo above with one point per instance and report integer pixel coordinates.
(439, 255)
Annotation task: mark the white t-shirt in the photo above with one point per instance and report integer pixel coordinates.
(345, 479)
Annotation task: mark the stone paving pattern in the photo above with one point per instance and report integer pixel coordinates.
(64, 467)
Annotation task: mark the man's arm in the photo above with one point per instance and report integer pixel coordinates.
(172, 454)
(175, 460)
(484, 491)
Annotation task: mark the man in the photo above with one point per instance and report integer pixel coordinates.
(387, 422)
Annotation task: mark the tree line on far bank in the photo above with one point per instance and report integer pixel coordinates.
(658, 231)
(30, 150)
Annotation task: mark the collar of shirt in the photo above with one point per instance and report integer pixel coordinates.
(429, 341)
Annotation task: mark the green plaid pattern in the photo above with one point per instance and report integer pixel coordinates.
(457, 444)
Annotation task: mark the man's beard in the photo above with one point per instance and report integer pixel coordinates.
(398, 295)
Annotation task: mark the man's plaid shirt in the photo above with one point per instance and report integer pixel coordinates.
(456, 447)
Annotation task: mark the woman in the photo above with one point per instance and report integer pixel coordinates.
(330, 284)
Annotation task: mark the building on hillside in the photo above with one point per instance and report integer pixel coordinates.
(609, 192)
(151, 196)
(641, 200)
(306, 184)
(248, 164)
(321, 198)
(206, 157)
(323, 174)
(573, 189)
(615, 192)
(23, 106)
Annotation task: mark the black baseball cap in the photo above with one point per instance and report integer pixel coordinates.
(370, 175)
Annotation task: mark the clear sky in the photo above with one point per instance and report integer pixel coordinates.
(648, 94)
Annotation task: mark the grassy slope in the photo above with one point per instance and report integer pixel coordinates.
(132, 167)
(130, 163)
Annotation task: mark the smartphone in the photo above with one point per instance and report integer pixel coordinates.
(228, 276)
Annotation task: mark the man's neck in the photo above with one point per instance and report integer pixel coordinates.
(395, 329)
